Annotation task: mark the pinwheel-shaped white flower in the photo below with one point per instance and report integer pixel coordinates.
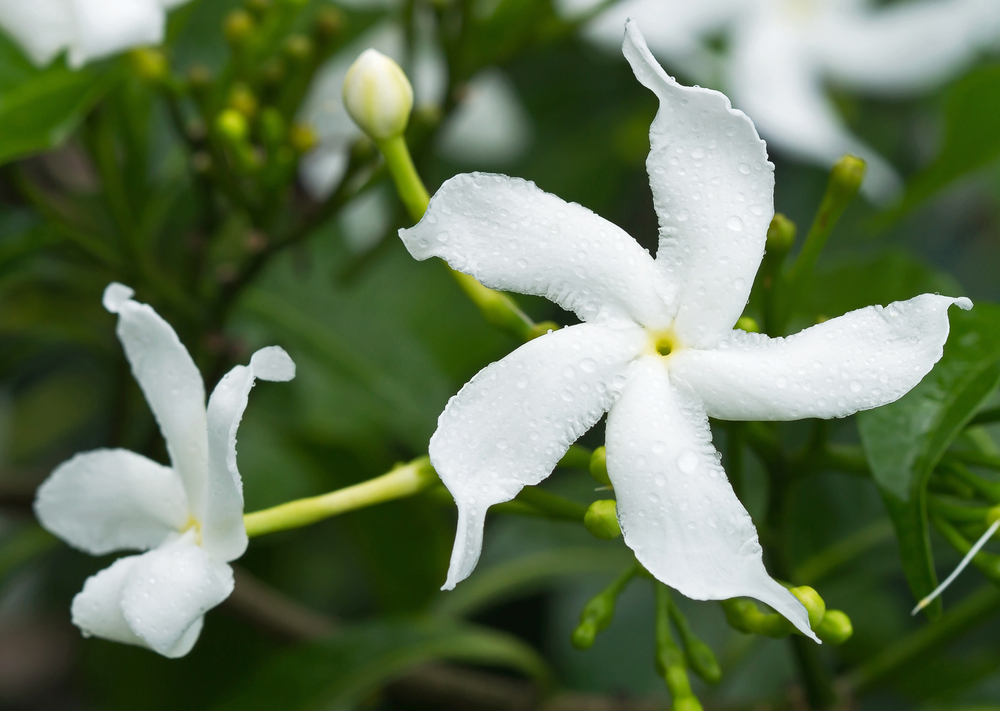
(781, 55)
(189, 514)
(87, 29)
(657, 350)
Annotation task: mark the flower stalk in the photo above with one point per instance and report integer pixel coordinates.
(405, 480)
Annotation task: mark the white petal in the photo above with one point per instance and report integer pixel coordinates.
(167, 592)
(775, 78)
(172, 385)
(322, 168)
(863, 359)
(489, 127)
(105, 27)
(678, 512)
(97, 609)
(905, 48)
(712, 189)
(112, 499)
(42, 28)
(170, 4)
(222, 531)
(512, 422)
(510, 235)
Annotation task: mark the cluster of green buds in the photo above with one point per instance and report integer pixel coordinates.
(673, 660)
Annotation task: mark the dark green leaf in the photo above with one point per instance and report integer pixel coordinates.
(971, 139)
(905, 440)
(339, 672)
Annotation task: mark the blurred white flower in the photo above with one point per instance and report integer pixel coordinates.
(86, 29)
(780, 55)
(464, 138)
(657, 349)
(189, 516)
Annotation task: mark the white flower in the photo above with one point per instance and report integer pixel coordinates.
(781, 55)
(377, 95)
(88, 29)
(712, 188)
(189, 516)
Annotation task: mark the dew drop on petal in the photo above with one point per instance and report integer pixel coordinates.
(856, 386)
(687, 462)
(735, 224)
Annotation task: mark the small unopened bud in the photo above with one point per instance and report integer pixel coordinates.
(748, 324)
(272, 71)
(836, 627)
(596, 617)
(541, 328)
(298, 48)
(199, 76)
(813, 603)
(702, 660)
(150, 64)
(846, 177)
(378, 96)
(329, 23)
(599, 466)
(237, 26)
(601, 519)
(780, 234)
(272, 126)
(242, 99)
(258, 7)
(302, 137)
(232, 125)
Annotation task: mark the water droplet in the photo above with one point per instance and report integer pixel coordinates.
(502, 444)
(523, 380)
(698, 153)
(687, 462)
(745, 169)
(443, 237)
(588, 365)
(782, 382)
(683, 216)
(735, 224)
(856, 386)
(740, 284)
(658, 447)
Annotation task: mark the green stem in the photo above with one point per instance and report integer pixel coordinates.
(551, 505)
(819, 566)
(985, 417)
(405, 480)
(968, 614)
(498, 308)
(987, 489)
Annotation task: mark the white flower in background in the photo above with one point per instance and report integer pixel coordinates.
(780, 56)
(87, 29)
(657, 349)
(188, 516)
(465, 137)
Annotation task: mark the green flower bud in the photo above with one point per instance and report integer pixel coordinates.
(541, 328)
(199, 77)
(378, 96)
(258, 7)
(702, 660)
(242, 99)
(601, 519)
(232, 125)
(596, 617)
(813, 602)
(599, 466)
(747, 324)
(329, 23)
(299, 48)
(302, 137)
(780, 234)
(149, 64)
(272, 71)
(836, 627)
(846, 177)
(237, 26)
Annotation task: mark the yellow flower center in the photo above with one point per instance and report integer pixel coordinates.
(663, 343)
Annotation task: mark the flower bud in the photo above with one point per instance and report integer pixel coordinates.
(232, 125)
(329, 23)
(242, 98)
(748, 324)
(199, 77)
(601, 519)
(299, 48)
(302, 137)
(378, 96)
(836, 627)
(599, 466)
(541, 328)
(780, 234)
(702, 660)
(846, 177)
(150, 64)
(596, 616)
(237, 26)
(813, 603)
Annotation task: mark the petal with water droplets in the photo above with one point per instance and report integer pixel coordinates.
(863, 359)
(515, 419)
(676, 507)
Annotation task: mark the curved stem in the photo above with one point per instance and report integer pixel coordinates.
(405, 480)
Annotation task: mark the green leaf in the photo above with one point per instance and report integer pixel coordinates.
(40, 108)
(904, 440)
(340, 672)
(971, 141)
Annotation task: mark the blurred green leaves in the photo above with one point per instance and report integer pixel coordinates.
(336, 673)
(904, 441)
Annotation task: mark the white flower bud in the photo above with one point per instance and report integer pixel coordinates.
(378, 96)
